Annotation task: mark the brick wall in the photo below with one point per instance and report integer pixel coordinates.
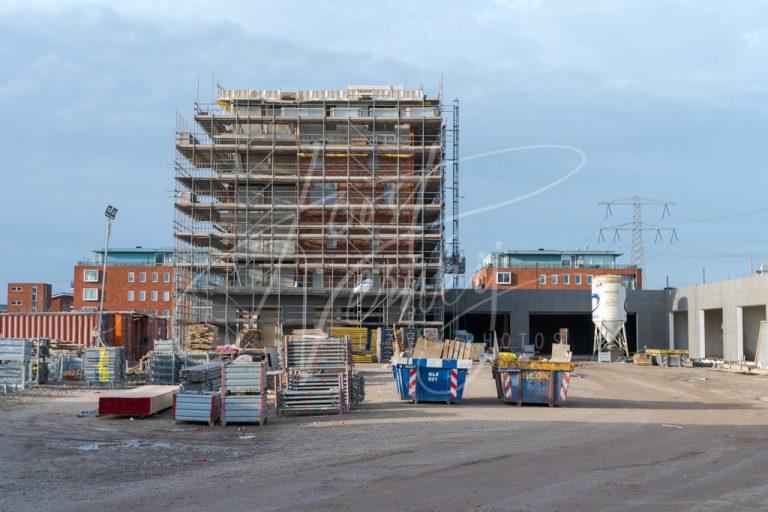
(20, 297)
(120, 283)
(529, 278)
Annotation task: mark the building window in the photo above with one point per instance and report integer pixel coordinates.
(542, 279)
(503, 278)
(16, 288)
(130, 295)
(553, 279)
(589, 279)
(142, 296)
(91, 276)
(90, 294)
(166, 277)
(131, 277)
(165, 312)
(320, 193)
(154, 277)
(166, 296)
(142, 277)
(153, 295)
(373, 162)
(154, 312)
(90, 310)
(16, 303)
(566, 279)
(34, 289)
(577, 279)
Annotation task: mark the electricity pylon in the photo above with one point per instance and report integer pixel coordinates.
(638, 227)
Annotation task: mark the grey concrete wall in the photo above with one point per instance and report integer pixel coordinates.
(751, 318)
(650, 306)
(732, 297)
(680, 339)
(713, 337)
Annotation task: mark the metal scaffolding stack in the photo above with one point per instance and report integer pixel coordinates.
(104, 366)
(318, 376)
(201, 378)
(295, 207)
(15, 367)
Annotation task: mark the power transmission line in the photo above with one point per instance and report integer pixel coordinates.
(638, 228)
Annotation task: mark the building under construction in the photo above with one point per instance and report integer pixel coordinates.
(308, 208)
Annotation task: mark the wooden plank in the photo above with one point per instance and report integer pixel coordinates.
(420, 349)
(434, 350)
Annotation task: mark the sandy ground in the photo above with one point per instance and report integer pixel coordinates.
(631, 438)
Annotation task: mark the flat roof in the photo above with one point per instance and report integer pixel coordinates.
(135, 249)
(533, 252)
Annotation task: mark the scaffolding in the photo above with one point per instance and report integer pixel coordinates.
(313, 207)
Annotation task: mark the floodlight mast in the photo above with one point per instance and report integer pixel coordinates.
(110, 213)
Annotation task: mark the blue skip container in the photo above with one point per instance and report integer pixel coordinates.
(430, 380)
(533, 383)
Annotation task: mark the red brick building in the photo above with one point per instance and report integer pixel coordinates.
(29, 297)
(138, 279)
(551, 270)
(62, 302)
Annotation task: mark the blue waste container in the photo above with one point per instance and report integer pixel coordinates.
(533, 383)
(430, 380)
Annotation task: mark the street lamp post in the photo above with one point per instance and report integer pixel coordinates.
(110, 214)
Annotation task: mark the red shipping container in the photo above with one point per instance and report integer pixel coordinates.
(134, 331)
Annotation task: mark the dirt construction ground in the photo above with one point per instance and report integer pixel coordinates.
(631, 438)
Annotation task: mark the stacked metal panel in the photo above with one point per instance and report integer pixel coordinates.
(104, 366)
(23, 361)
(313, 393)
(15, 350)
(14, 362)
(319, 376)
(198, 407)
(244, 398)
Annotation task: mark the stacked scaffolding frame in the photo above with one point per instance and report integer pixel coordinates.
(312, 207)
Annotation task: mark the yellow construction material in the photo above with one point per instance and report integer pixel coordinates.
(358, 341)
(225, 105)
(534, 365)
(669, 352)
(103, 365)
(507, 356)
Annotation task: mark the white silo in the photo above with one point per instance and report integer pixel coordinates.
(609, 313)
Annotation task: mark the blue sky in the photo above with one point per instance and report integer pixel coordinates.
(666, 99)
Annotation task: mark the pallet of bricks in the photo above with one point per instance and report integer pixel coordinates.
(362, 341)
(318, 375)
(244, 392)
(199, 399)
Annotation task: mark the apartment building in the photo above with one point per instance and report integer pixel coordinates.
(137, 279)
(551, 270)
(29, 297)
